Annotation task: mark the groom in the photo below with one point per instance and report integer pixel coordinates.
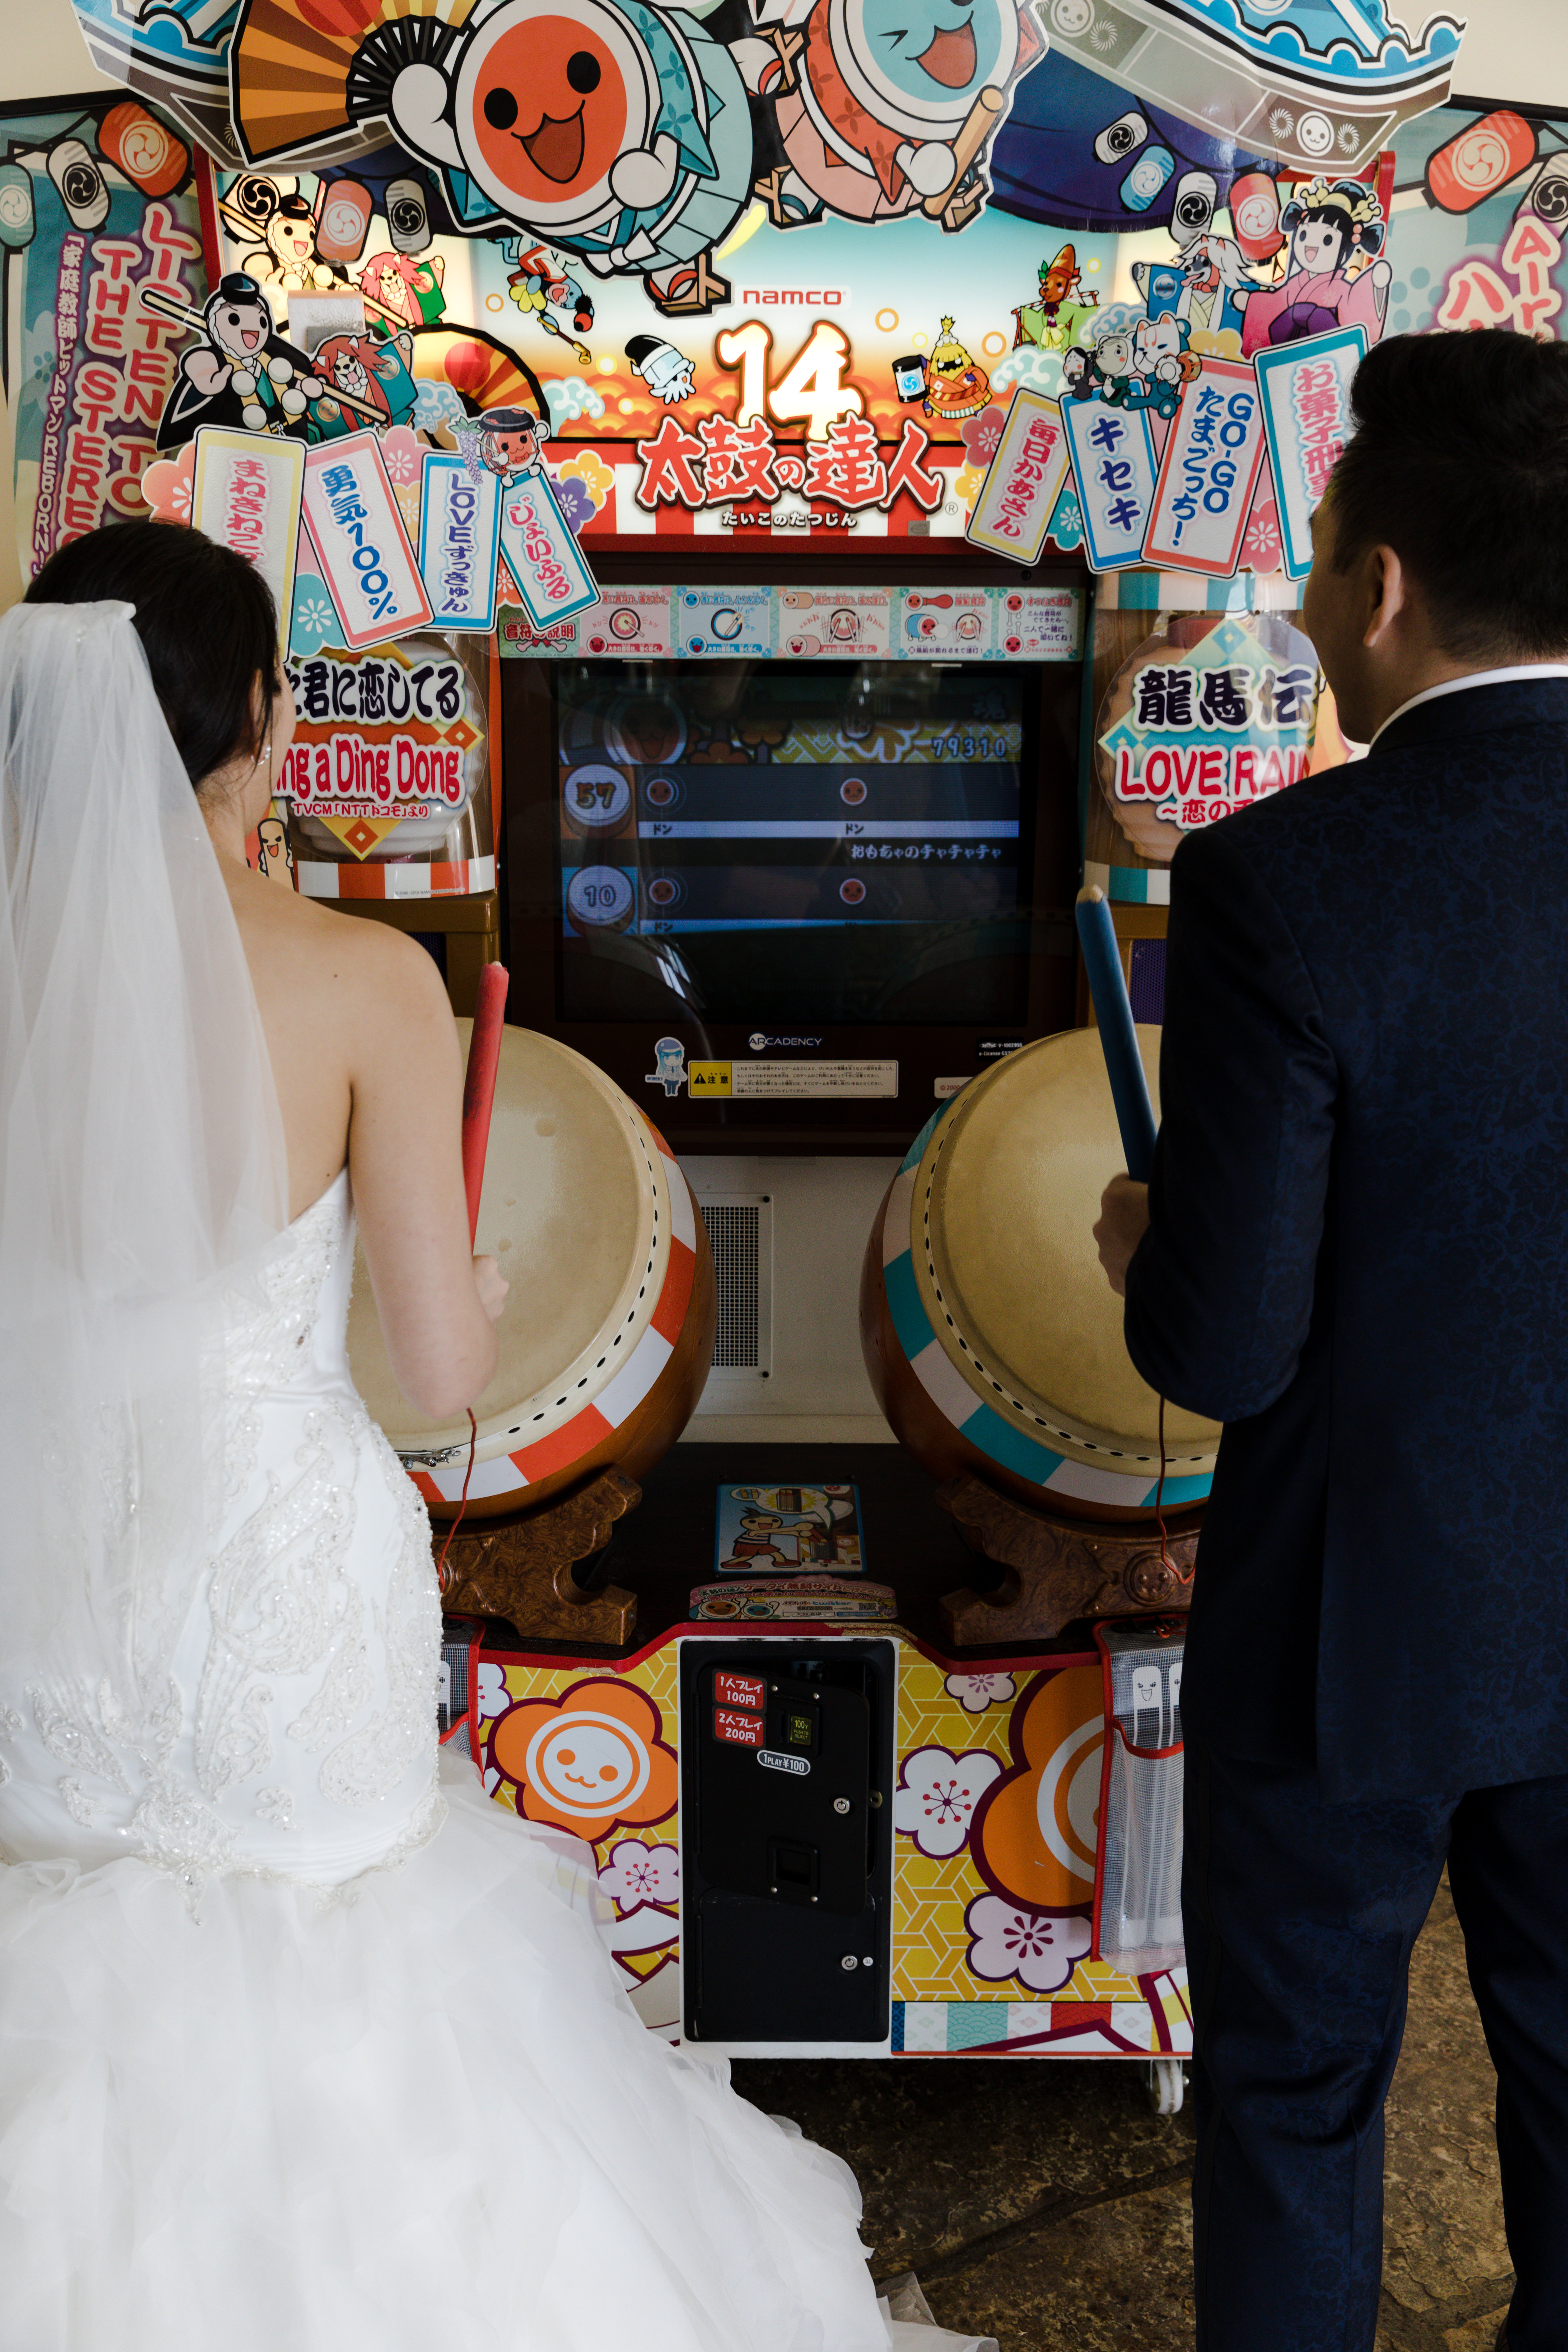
(1354, 1251)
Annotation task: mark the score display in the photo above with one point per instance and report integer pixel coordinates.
(828, 841)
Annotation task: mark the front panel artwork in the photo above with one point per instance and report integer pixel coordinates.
(995, 1798)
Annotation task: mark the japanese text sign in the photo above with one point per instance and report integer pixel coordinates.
(244, 493)
(1018, 495)
(1113, 464)
(1305, 389)
(1194, 732)
(459, 540)
(1209, 472)
(380, 736)
(542, 556)
(356, 529)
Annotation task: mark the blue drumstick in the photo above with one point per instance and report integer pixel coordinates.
(1124, 1062)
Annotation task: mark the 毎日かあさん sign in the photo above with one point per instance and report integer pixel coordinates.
(1013, 510)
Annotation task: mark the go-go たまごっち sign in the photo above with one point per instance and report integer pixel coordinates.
(1208, 473)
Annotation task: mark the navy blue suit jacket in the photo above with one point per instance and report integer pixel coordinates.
(1358, 1254)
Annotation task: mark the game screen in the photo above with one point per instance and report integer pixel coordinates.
(792, 844)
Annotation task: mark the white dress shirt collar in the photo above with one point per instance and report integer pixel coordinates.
(1520, 670)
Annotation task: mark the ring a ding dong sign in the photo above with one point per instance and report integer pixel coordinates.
(383, 736)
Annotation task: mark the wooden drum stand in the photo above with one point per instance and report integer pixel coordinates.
(1059, 1568)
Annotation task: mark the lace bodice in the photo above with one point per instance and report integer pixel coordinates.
(297, 1735)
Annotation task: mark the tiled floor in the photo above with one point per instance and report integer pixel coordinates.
(1047, 2205)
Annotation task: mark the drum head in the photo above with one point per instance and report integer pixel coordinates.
(1006, 1196)
(575, 1209)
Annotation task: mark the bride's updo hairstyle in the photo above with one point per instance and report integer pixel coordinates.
(205, 619)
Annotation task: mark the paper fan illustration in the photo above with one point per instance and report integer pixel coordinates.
(612, 129)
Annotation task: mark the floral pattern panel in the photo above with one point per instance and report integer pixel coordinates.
(592, 1751)
(995, 1817)
(994, 1805)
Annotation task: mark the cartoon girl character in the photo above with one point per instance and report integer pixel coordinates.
(409, 288)
(879, 105)
(1328, 225)
(610, 128)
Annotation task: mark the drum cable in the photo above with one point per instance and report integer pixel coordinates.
(462, 1506)
(1166, 1562)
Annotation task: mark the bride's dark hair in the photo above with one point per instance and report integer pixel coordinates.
(205, 618)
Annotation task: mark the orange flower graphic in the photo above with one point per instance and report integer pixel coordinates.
(1035, 1834)
(589, 1761)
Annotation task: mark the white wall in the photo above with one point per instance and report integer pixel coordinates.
(1513, 48)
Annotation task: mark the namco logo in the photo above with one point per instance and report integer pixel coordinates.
(822, 297)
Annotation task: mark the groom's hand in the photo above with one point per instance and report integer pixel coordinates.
(1123, 1222)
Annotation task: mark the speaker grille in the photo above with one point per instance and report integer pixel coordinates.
(734, 1231)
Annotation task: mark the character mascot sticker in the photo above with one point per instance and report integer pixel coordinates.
(612, 129)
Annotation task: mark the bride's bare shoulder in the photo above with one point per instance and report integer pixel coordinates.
(298, 943)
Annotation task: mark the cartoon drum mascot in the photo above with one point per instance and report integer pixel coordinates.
(244, 376)
(610, 128)
(884, 105)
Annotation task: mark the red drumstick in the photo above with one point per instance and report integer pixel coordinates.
(479, 1086)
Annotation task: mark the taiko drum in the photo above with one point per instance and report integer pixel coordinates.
(992, 1337)
(607, 1332)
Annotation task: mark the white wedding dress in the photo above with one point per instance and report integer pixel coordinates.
(305, 2045)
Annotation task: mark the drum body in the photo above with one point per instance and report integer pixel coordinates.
(608, 1331)
(991, 1336)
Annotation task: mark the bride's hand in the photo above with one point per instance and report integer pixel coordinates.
(491, 1287)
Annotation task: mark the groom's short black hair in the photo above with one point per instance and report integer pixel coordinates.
(205, 618)
(1459, 463)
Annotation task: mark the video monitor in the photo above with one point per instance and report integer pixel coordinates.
(755, 858)
(802, 843)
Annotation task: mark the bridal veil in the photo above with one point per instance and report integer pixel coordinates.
(143, 1169)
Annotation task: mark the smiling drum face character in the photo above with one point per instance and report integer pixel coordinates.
(918, 65)
(588, 1764)
(590, 1758)
(548, 97)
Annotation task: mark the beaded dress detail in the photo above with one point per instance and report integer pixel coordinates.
(305, 2044)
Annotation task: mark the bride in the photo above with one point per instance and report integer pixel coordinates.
(305, 2046)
